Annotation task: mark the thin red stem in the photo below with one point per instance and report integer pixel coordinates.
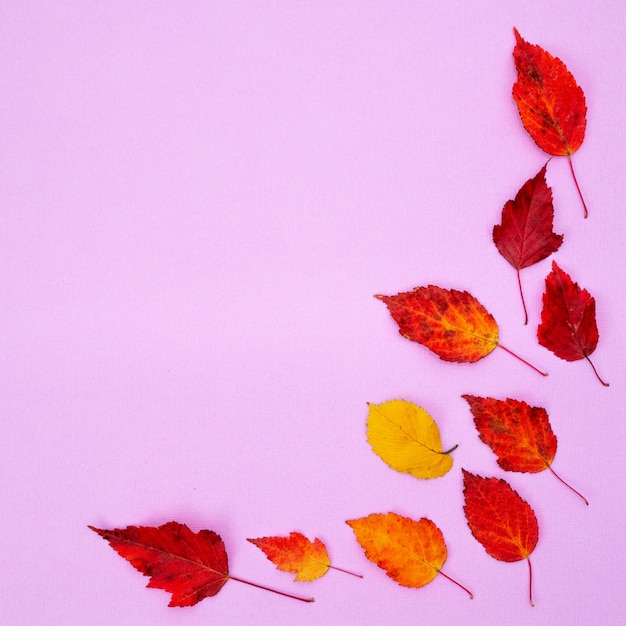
(571, 166)
(522, 360)
(469, 593)
(580, 495)
(280, 593)
(345, 571)
(530, 582)
(521, 293)
(596, 371)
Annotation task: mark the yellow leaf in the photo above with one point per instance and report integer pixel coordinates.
(405, 437)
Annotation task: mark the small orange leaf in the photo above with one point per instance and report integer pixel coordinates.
(296, 554)
(412, 553)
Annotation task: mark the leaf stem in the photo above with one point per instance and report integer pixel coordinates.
(280, 593)
(345, 571)
(521, 293)
(452, 449)
(339, 569)
(530, 582)
(571, 166)
(469, 593)
(580, 495)
(596, 371)
(522, 360)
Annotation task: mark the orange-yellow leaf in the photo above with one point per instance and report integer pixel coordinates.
(296, 554)
(405, 437)
(412, 553)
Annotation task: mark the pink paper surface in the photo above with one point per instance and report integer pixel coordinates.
(199, 201)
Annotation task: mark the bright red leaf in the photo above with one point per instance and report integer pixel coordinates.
(451, 323)
(520, 435)
(191, 566)
(550, 103)
(568, 319)
(525, 235)
(500, 520)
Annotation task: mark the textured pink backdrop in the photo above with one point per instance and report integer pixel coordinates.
(198, 202)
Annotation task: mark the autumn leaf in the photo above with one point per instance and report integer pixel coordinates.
(568, 319)
(519, 434)
(525, 235)
(191, 566)
(298, 555)
(500, 520)
(451, 323)
(405, 437)
(550, 103)
(412, 553)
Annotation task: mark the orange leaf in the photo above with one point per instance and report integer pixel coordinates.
(451, 323)
(500, 520)
(550, 103)
(296, 554)
(412, 553)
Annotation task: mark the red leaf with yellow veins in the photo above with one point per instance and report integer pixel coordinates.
(191, 566)
(500, 520)
(412, 553)
(298, 555)
(451, 323)
(519, 434)
(568, 319)
(550, 103)
(525, 235)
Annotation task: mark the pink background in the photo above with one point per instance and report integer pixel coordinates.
(199, 201)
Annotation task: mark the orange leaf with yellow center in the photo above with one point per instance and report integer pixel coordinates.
(519, 434)
(296, 554)
(550, 102)
(412, 553)
(500, 520)
(453, 324)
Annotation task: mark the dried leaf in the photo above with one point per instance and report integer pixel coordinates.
(525, 235)
(191, 566)
(296, 554)
(519, 434)
(412, 553)
(568, 319)
(451, 323)
(405, 437)
(500, 520)
(550, 103)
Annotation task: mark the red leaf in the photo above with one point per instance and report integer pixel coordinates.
(453, 324)
(550, 103)
(568, 319)
(500, 520)
(191, 566)
(519, 434)
(525, 236)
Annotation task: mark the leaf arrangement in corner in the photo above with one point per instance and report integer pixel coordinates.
(458, 328)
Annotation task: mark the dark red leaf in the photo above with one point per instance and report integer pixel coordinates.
(568, 319)
(525, 235)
